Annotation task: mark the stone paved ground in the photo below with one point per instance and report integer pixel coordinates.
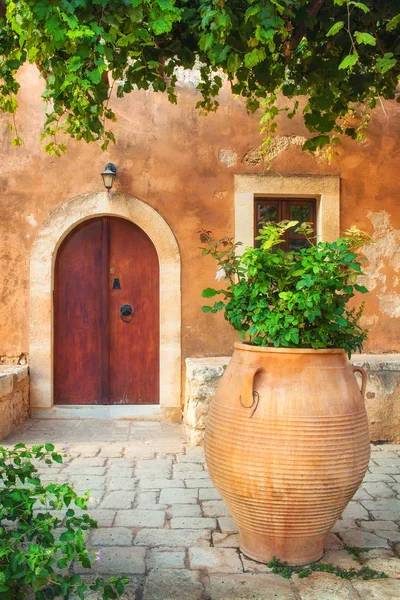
(161, 521)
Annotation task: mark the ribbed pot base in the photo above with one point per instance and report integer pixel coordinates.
(291, 550)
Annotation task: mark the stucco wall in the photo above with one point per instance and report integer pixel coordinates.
(183, 165)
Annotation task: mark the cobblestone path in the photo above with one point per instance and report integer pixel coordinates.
(162, 523)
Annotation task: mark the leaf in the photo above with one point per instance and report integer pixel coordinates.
(335, 28)
(359, 5)
(210, 292)
(49, 447)
(67, 536)
(386, 62)
(233, 62)
(349, 61)
(251, 11)
(393, 23)
(319, 141)
(253, 58)
(364, 38)
(206, 308)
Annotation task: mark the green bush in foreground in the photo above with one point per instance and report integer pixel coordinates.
(37, 548)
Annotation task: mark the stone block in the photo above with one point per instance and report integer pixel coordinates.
(376, 525)
(117, 560)
(225, 540)
(250, 586)
(227, 525)
(354, 510)
(160, 483)
(215, 560)
(193, 523)
(324, 586)
(140, 518)
(121, 483)
(178, 538)
(363, 539)
(215, 508)
(209, 494)
(378, 589)
(165, 559)
(166, 584)
(118, 500)
(178, 496)
(184, 510)
(199, 483)
(379, 489)
(112, 536)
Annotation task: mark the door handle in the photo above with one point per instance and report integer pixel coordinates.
(126, 313)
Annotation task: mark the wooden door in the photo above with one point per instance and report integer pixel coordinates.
(106, 315)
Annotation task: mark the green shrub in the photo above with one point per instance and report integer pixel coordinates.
(37, 548)
(295, 299)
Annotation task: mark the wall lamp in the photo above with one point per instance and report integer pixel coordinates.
(108, 175)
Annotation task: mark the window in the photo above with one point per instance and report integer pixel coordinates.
(281, 209)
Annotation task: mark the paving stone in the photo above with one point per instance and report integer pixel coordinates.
(390, 566)
(82, 481)
(126, 472)
(85, 463)
(184, 510)
(384, 460)
(251, 566)
(139, 453)
(344, 525)
(227, 525)
(333, 542)
(378, 589)
(363, 539)
(379, 489)
(112, 536)
(178, 496)
(84, 450)
(215, 508)
(340, 558)
(387, 469)
(111, 450)
(215, 560)
(209, 494)
(385, 515)
(103, 517)
(390, 534)
(370, 477)
(247, 585)
(199, 483)
(166, 559)
(140, 518)
(389, 504)
(73, 470)
(376, 525)
(362, 494)
(148, 500)
(121, 483)
(158, 466)
(164, 584)
(324, 586)
(192, 475)
(187, 468)
(192, 457)
(396, 488)
(354, 510)
(193, 523)
(124, 560)
(118, 500)
(159, 484)
(177, 538)
(225, 540)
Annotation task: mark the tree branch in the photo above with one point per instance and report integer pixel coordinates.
(312, 10)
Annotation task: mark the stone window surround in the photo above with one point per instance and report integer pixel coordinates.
(49, 238)
(325, 188)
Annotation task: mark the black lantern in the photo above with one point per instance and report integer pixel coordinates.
(109, 175)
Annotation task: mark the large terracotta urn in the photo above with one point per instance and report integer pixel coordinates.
(287, 446)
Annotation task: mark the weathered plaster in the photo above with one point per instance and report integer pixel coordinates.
(48, 240)
(280, 143)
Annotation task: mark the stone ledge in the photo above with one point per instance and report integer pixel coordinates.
(382, 395)
(14, 397)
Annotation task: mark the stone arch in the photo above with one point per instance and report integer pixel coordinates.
(49, 237)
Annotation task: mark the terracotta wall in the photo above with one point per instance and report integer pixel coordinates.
(171, 158)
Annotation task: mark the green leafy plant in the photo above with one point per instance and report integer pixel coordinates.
(294, 299)
(341, 54)
(37, 546)
(287, 571)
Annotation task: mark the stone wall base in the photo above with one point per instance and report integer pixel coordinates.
(14, 397)
(382, 395)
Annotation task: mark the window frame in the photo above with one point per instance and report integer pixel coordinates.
(283, 210)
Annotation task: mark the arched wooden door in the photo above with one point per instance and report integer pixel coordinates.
(106, 315)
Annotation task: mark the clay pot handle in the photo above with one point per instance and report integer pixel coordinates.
(248, 397)
(363, 374)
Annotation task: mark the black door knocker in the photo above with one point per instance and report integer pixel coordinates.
(126, 312)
